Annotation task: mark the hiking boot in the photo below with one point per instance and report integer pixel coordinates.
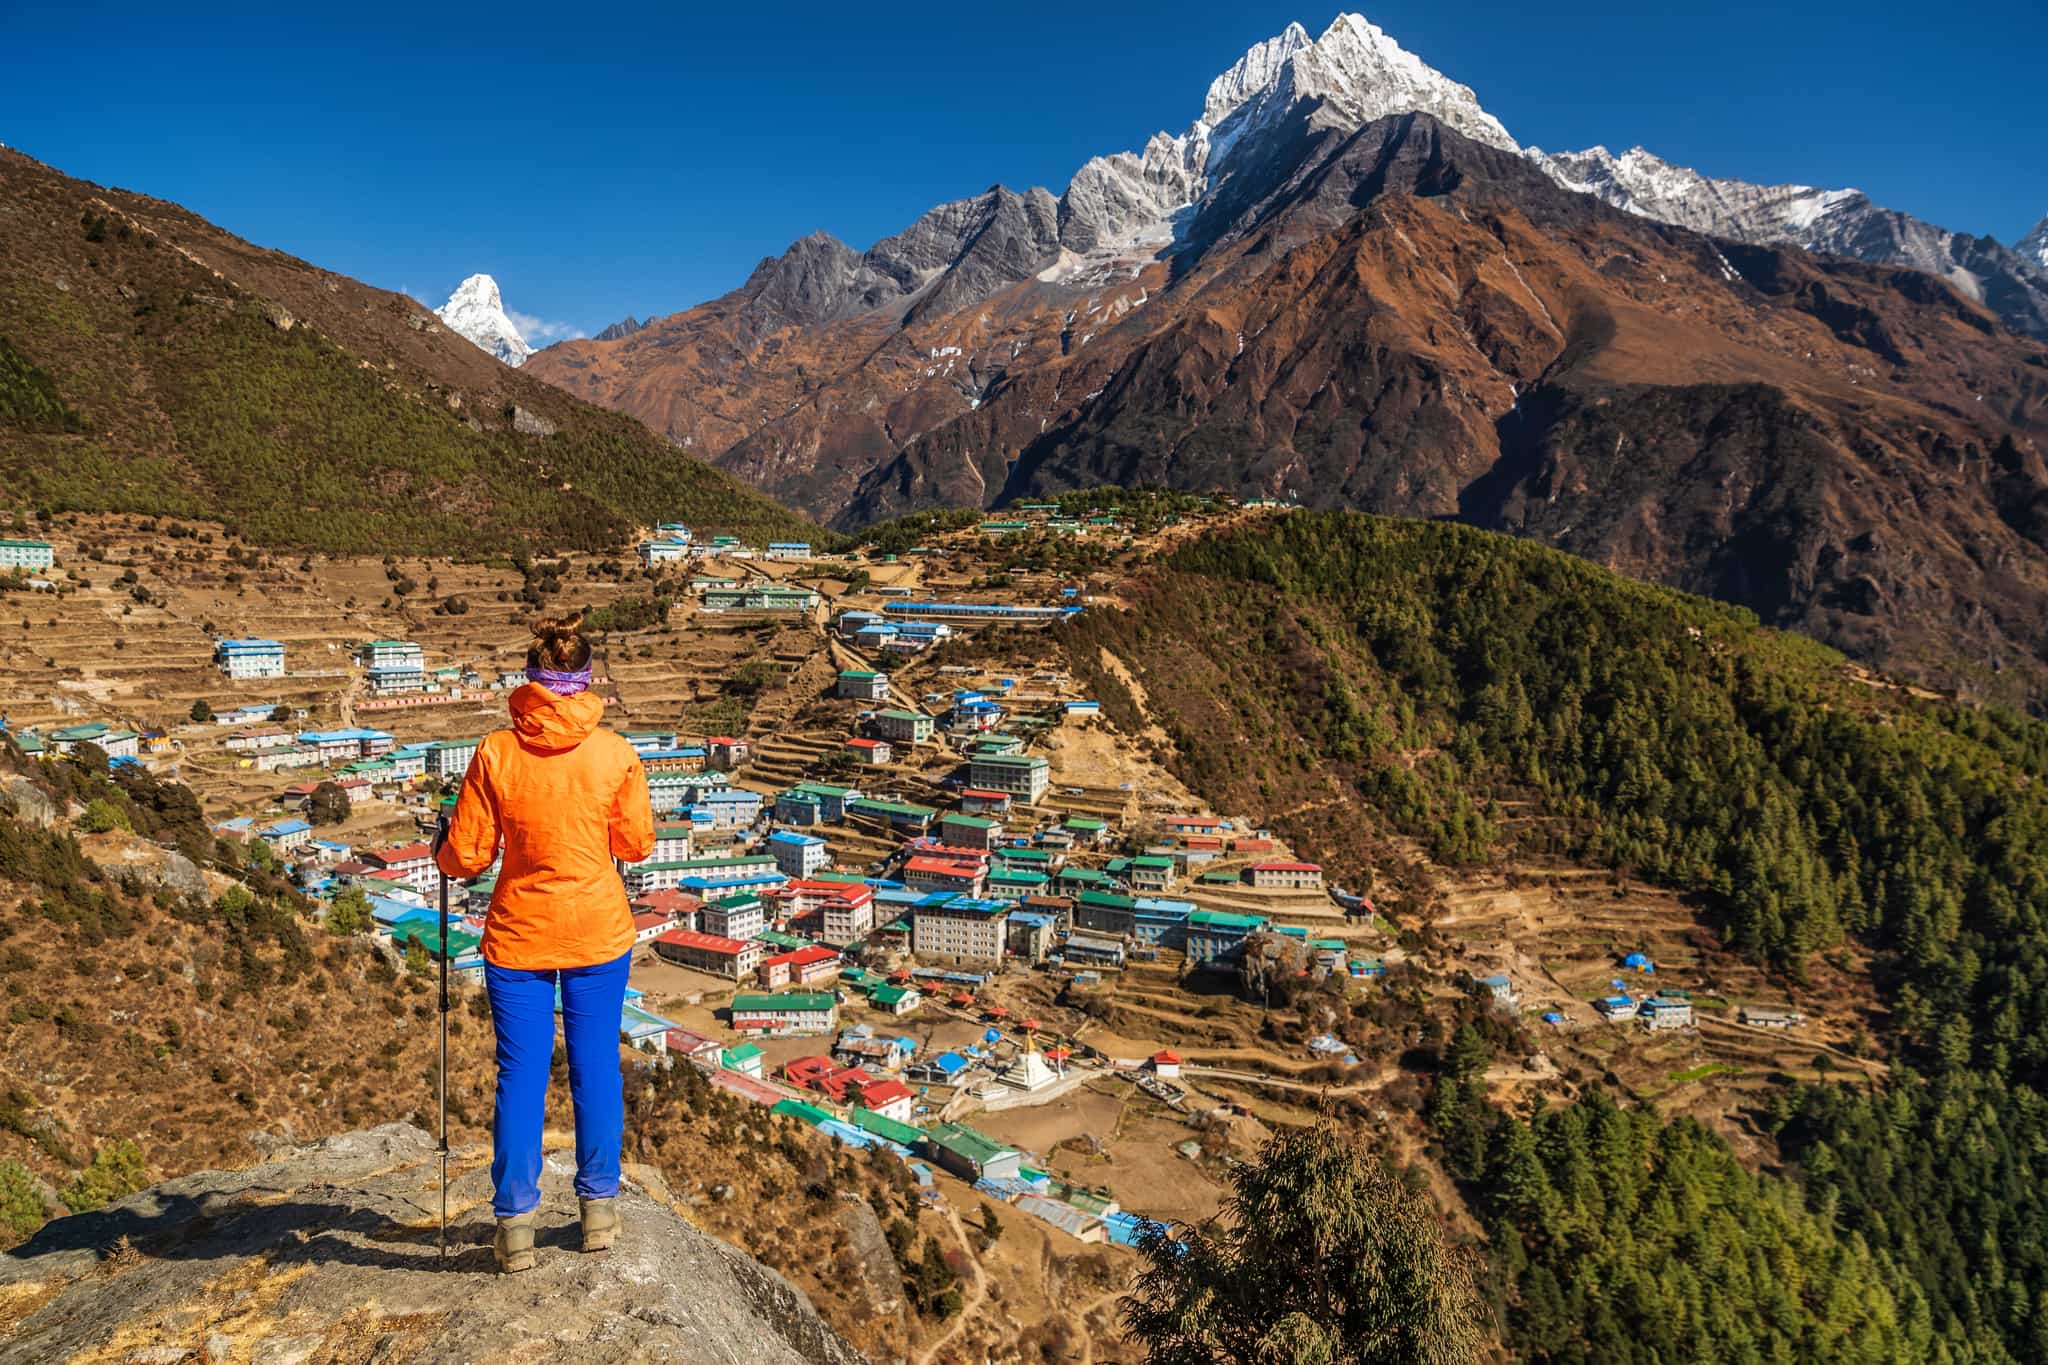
(600, 1224)
(513, 1246)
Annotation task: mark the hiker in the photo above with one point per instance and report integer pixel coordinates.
(563, 798)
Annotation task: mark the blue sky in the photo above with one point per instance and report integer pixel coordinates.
(603, 160)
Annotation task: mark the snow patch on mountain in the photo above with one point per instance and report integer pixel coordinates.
(476, 311)
(2034, 246)
(1651, 187)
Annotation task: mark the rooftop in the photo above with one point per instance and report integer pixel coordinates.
(749, 1003)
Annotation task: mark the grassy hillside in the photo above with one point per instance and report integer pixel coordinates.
(152, 363)
(1350, 676)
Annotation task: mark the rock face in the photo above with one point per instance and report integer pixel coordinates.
(328, 1253)
(476, 311)
(28, 803)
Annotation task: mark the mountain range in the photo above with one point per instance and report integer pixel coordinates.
(1346, 283)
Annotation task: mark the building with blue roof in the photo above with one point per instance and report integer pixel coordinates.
(977, 611)
(1161, 922)
(286, 835)
(798, 855)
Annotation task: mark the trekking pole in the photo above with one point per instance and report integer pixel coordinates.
(441, 837)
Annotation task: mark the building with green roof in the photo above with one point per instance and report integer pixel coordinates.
(904, 727)
(744, 1058)
(895, 812)
(785, 1014)
(970, 1154)
(1025, 777)
(882, 1126)
(805, 1113)
(1215, 936)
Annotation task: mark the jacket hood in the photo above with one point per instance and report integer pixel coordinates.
(547, 721)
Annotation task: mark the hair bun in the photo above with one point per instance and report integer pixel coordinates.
(559, 627)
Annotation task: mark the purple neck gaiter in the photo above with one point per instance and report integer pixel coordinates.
(561, 684)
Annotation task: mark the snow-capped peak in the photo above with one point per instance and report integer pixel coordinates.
(1361, 74)
(1257, 70)
(2034, 246)
(476, 311)
(1130, 202)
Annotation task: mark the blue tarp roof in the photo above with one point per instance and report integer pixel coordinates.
(1123, 1228)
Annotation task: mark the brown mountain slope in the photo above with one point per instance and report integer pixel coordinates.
(1404, 321)
(152, 362)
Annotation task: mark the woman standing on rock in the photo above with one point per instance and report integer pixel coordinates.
(563, 799)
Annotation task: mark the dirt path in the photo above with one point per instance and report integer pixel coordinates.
(977, 1294)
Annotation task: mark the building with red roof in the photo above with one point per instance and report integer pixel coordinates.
(650, 924)
(870, 751)
(889, 1097)
(1165, 1062)
(413, 862)
(926, 872)
(800, 966)
(728, 957)
(981, 801)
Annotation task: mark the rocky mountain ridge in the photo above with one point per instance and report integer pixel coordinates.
(2011, 281)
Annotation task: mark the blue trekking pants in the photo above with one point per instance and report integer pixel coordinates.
(523, 1012)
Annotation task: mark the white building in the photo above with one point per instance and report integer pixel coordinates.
(249, 658)
(789, 549)
(653, 552)
(964, 929)
(849, 919)
(391, 654)
(1024, 776)
(798, 855)
(26, 554)
(740, 918)
(450, 759)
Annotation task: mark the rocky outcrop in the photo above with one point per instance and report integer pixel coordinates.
(129, 859)
(28, 803)
(328, 1253)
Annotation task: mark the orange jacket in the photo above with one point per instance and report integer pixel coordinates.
(564, 798)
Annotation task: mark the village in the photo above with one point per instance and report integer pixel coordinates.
(909, 888)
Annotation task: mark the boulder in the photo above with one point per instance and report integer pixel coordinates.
(27, 802)
(531, 423)
(328, 1252)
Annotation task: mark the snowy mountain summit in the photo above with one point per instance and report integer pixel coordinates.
(476, 311)
(1354, 73)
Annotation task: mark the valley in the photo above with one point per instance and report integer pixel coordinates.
(1346, 739)
(125, 640)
